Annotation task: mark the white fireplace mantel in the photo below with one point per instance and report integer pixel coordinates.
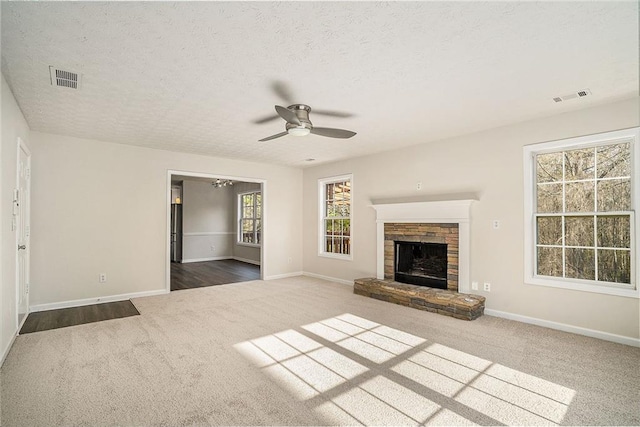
(448, 211)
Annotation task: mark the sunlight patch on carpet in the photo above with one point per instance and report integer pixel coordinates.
(355, 371)
(400, 398)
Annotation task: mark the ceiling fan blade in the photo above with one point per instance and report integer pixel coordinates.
(282, 90)
(288, 115)
(266, 119)
(331, 113)
(332, 133)
(269, 138)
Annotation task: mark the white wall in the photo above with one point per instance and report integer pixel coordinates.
(207, 220)
(240, 251)
(490, 165)
(102, 207)
(13, 126)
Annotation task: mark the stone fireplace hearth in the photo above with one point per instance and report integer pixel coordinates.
(441, 301)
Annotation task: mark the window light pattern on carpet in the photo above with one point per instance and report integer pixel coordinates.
(356, 371)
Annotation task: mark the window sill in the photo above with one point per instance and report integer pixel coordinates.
(336, 256)
(250, 245)
(584, 287)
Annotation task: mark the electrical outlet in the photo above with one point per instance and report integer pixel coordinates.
(487, 287)
(102, 278)
(474, 286)
(290, 260)
(419, 186)
(495, 224)
(213, 248)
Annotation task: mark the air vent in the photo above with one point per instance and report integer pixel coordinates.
(574, 95)
(64, 78)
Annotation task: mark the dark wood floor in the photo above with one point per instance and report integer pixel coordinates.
(183, 276)
(63, 317)
(210, 273)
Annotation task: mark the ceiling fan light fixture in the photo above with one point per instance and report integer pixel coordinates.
(299, 131)
(219, 183)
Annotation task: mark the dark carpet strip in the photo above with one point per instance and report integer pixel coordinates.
(63, 317)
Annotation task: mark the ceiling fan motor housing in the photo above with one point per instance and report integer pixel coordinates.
(300, 109)
(302, 112)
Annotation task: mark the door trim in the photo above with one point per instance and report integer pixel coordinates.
(21, 146)
(170, 173)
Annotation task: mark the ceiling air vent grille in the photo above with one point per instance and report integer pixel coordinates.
(574, 95)
(63, 78)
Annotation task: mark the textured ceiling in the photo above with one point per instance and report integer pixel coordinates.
(195, 76)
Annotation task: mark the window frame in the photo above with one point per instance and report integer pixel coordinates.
(631, 135)
(240, 218)
(322, 196)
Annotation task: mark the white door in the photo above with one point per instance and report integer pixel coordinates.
(22, 221)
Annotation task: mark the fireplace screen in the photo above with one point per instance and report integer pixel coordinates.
(422, 264)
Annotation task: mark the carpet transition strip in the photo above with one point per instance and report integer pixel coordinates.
(64, 317)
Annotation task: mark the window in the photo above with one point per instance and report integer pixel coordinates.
(335, 217)
(580, 216)
(250, 218)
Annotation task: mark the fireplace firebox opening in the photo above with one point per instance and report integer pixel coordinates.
(423, 264)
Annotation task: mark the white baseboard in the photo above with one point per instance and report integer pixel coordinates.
(330, 279)
(620, 339)
(89, 301)
(214, 258)
(6, 351)
(283, 276)
(248, 261)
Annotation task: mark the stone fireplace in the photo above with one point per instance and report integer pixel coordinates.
(434, 238)
(424, 254)
(444, 222)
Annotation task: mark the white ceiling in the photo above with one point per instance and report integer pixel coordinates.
(195, 76)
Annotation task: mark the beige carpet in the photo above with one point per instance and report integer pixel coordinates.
(302, 351)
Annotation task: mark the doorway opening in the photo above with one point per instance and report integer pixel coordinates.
(215, 229)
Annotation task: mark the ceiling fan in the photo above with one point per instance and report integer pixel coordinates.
(298, 124)
(297, 117)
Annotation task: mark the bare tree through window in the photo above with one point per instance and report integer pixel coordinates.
(583, 213)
